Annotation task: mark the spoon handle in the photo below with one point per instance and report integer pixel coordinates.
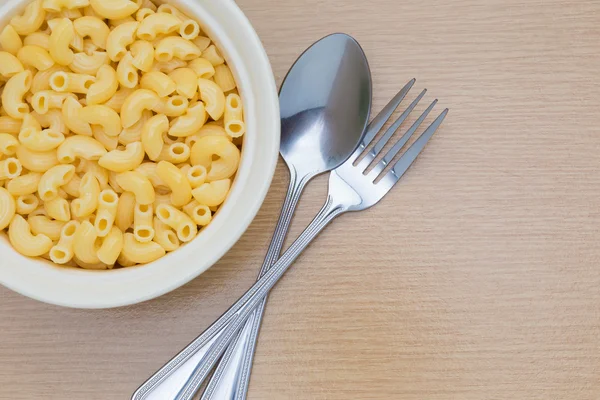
(255, 295)
(168, 380)
(232, 375)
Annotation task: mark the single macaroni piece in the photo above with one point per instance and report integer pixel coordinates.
(94, 28)
(7, 208)
(31, 20)
(123, 160)
(229, 157)
(10, 40)
(10, 168)
(119, 38)
(74, 83)
(196, 176)
(104, 116)
(27, 204)
(41, 140)
(189, 123)
(105, 86)
(39, 39)
(53, 179)
(212, 55)
(35, 57)
(82, 147)
(13, 93)
(212, 194)
(46, 100)
(135, 104)
(107, 212)
(85, 246)
(88, 202)
(189, 29)
(234, 118)
(62, 253)
(71, 112)
(165, 236)
(213, 97)
(112, 245)
(143, 229)
(185, 80)
(152, 135)
(224, 78)
(21, 238)
(176, 46)
(159, 82)
(183, 225)
(37, 161)
(157, 24)
(143, 55)
(24, 184)
(124, 217)
(139, 185)
(58, 208)
(127, 74)
(141, 252)
(8, 144)
(181, 191)
(199, 213)
(60, 41)
(114, 9)
(90, 64)
(43, 225)
(202, 67)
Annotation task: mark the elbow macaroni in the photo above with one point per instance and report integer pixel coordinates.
(116, 131)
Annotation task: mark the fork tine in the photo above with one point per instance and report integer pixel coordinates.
(385, 114)
(366, 161)
(392, 177)
(400, 143)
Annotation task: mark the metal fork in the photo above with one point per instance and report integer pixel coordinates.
(350, 189)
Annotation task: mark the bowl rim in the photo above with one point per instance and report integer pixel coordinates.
(31, 279)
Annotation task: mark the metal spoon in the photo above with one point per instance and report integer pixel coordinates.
(325, 104)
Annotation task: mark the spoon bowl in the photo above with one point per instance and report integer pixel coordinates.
(325, 101)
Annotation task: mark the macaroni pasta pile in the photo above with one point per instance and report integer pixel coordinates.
(119, 131)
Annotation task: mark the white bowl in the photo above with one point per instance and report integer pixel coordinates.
(225, 23)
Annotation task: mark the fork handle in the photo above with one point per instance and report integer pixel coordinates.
(255, 295)
(232, 375)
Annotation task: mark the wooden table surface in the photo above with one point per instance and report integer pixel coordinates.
(477, 278)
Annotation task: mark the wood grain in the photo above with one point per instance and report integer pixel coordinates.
(477, 278)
